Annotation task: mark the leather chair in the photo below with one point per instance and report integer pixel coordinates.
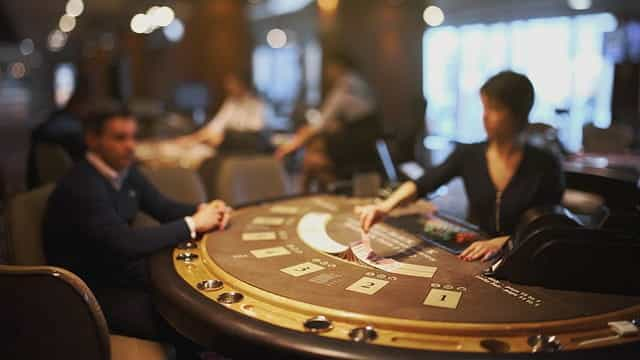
(24, 218)
(615, 139)
(177, 183)
(52, 162)
(244, 179)
(50, 313)
(21, 285)
(589, 207)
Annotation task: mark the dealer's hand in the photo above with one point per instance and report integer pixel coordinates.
(370, 215)
(483, 249)
(284, 150)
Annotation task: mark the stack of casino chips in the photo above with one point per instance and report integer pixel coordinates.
(445, 232)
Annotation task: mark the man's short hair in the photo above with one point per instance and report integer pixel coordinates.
(98, 117)
(514, 91)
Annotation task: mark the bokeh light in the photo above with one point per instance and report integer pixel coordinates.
(26, 47)
(433, 16)
(17, 70)
(579, 4)
(56, 40)
(328, 5)
(277, 38)
(174, 31)
(74, 8)
(67, 23)
(163, 16)
(140, 23)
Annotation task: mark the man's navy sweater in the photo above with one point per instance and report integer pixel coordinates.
(87, 227)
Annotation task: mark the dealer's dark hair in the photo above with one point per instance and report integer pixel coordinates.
(100, 114)
(514, 91)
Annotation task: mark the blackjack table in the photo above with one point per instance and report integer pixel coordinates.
(298, 278)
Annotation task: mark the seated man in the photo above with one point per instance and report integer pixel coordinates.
(87, 226)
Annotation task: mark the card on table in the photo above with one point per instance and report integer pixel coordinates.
(267, 220)
(443, 298)
(270, 252)
(257, 236)
(367, 285)
(302, 269)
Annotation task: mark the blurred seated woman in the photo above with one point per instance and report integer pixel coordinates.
(239, 122)
(341, 139)
(503, 176)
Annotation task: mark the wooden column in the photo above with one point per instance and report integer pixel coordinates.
(385, 39)
(217, 40)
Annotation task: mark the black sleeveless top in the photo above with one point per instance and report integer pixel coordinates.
(538, 181)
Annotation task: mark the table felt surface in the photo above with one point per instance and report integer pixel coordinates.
(470, 296)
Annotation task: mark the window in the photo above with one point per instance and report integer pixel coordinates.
(64, 83)
(277, 76)
(562, 56)
(283, 75)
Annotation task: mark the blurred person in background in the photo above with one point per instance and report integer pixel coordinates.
(63, 127)
(341, 138)
(240, 121)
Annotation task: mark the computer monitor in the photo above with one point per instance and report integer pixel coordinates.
(409, 170)
(387, 161)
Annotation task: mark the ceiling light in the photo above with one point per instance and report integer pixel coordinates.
(74, 8)
(26, 47)
(140, 23)
(433, 16)
(579, 4)
(67, 23)
(174, 31)
(277, 38)
(164, 16)
(56, 40)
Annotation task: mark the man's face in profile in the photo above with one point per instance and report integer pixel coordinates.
(116, 143)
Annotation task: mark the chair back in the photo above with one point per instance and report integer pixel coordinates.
(49, 313)
(177, 183)
(52, 162)
(25, 213)
(615, 139)
(245, 179)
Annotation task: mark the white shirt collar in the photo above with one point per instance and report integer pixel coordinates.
(115, 178)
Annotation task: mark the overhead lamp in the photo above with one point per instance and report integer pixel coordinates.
(277, 38)
(433, 16)
(67, 23)
(74, 8)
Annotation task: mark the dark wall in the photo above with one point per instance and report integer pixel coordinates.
(217, 41)
(7, 30)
